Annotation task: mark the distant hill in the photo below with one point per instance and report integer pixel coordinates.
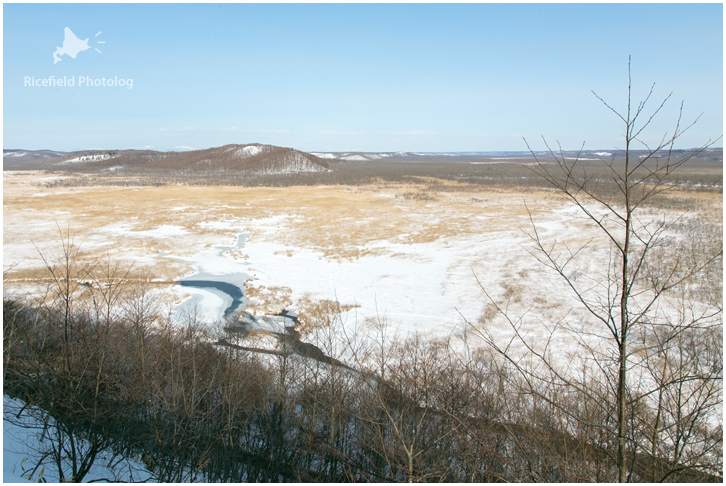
(715, 154)
(250, 158)
(258, 159)
(23, 158)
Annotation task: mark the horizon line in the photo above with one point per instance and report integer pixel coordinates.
(357, 151)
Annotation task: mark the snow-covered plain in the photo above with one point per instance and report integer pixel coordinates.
(422, 266)
(422, 287)
(434, 287)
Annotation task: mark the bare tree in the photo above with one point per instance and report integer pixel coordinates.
(66, 371)
(629, 300)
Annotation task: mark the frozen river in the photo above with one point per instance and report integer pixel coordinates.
(216, 288)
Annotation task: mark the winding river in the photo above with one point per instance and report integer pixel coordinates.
(216, 286)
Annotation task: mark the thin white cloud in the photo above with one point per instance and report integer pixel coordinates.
(185, 147)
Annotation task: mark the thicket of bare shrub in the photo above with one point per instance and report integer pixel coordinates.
(105, 371)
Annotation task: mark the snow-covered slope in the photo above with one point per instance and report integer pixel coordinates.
(91, 158)
(249, 150)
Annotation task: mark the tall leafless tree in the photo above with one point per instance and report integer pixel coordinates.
(634, 295)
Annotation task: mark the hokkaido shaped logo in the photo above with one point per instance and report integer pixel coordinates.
(72, 45)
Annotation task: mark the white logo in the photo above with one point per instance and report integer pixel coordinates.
(72, 45)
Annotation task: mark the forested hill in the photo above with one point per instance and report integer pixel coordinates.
(251, 158)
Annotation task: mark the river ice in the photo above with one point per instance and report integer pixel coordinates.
(214, 265)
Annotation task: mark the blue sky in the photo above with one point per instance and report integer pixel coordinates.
(357, 77)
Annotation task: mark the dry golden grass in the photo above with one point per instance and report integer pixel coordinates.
(317, 313)
(341, 222)
(267, 300)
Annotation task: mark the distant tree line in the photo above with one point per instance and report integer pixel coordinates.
(220, 166)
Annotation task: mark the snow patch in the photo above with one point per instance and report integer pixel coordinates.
(163, 231)
(90, 158)
(249, 151)
(324, 155)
